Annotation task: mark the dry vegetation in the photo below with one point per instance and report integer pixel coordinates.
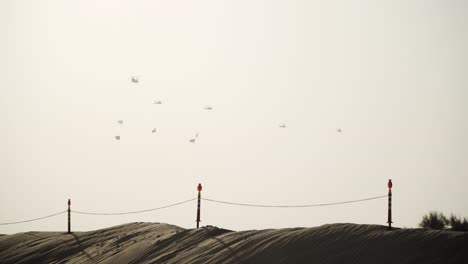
(437, 220)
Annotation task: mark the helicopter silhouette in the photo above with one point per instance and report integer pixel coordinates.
(135, 79)
(193, 139)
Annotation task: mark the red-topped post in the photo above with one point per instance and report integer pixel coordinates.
(389, 221)
(199, 188)
(69, 218)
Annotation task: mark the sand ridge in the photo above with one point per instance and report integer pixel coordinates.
(164, 243)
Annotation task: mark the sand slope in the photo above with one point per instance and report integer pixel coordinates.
(163, 243)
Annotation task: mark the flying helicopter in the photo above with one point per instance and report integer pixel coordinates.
(193, 139)
(135, 79)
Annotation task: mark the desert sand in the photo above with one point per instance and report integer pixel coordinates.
(164, 243)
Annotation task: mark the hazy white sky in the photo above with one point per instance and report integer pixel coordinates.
(392, 74)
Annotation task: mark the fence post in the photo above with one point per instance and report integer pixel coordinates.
(389, 221)
(199, 188)
(69, 217)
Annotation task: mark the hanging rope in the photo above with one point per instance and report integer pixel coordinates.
(35, 219)
(206, 199)
(134, 212)
(293, 206)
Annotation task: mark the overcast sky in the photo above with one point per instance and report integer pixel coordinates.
(392, 75)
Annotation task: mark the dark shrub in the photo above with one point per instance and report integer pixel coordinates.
(434, 220)
(457, 223)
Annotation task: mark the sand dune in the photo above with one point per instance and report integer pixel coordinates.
(163, 243)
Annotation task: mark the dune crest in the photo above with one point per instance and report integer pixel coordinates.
(164, 243)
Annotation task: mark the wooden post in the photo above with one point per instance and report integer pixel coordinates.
(69, 217)
(199, 188)
(389, 221)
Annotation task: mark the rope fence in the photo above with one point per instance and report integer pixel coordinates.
(293, 206)
(135, 212)
(199, 188)
(35, 219)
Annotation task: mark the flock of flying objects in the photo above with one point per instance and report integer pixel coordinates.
(136, 79)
